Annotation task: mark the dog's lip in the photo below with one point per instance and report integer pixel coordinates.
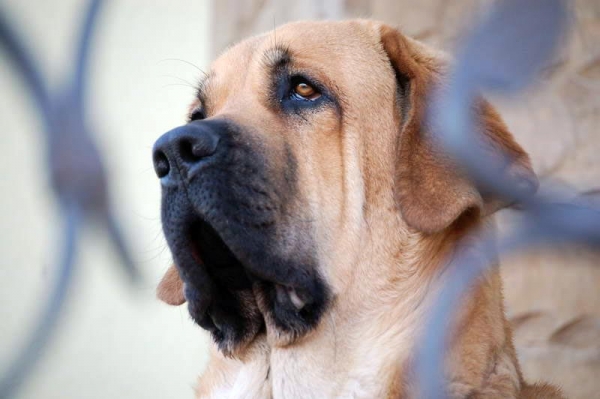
(202, 252)
(196, 253)
(210, 251)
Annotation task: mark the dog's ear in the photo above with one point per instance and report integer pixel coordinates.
(431, 190)
(170, 288)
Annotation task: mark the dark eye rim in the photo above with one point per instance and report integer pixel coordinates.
(292, 103)
(197, 114)
(296, 80)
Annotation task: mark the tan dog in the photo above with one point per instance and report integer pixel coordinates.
(311, 215)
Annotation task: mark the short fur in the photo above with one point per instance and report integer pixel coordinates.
(341, 214)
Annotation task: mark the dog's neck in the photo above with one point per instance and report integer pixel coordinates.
(363, 346)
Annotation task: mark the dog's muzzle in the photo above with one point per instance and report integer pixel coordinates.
(229, 220)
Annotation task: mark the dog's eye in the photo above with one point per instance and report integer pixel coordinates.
(197, 114)
(303, 90)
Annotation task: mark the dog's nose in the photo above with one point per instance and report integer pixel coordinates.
(180, 152)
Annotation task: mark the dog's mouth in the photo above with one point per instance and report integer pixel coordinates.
(233, 300)
(209, 250)
(227, 270)
(218, 288)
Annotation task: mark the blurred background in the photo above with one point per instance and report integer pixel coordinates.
(119, 341)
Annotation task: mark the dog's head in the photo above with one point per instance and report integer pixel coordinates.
(298, 142)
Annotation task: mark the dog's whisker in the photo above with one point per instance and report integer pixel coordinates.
(179, 84)
(274, 32)
(186, 62)
(154, 252)
(181, 80)
(335, 337)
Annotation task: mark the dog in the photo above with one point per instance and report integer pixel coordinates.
(311, 215)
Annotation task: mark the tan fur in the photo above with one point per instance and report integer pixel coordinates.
(387, 208)
(170, 288)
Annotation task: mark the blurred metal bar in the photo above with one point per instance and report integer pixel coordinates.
(25, 66)
(78, 179)
(21, 367)
(503, 54)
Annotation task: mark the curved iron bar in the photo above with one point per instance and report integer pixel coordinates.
(26, 67)
(77, 175)
(502, 54)
(20, 368)
(551, 224)
(82, 55)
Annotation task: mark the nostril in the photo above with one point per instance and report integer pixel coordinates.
(161, 164)
(192, 150)
(187, 153)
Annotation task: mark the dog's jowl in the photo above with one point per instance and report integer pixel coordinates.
(310, 214)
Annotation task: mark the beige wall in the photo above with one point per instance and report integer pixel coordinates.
(114, 342)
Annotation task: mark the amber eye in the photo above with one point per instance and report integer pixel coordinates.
(306, 91)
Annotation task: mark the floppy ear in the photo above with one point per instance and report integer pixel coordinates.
(432, 191)
(170, 288)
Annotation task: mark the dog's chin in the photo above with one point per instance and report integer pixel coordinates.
(235, 301)
(218, 290)
(232, 332)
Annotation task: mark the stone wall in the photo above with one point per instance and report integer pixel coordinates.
(552, 296)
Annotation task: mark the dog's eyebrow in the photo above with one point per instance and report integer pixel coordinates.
(276, 58)
(202, 86)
